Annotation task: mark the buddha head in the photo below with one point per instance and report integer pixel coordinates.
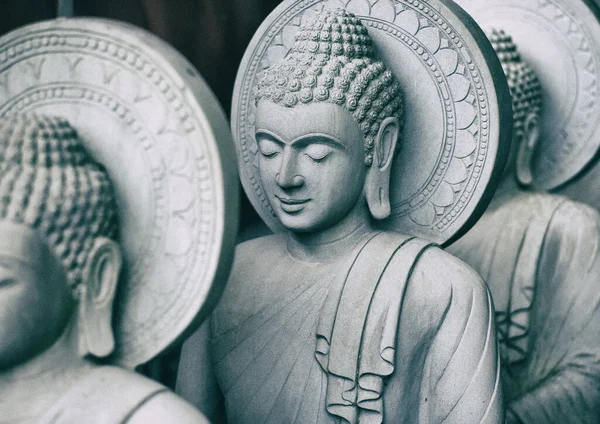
(526, 94)
(59, 262)
(328, 121)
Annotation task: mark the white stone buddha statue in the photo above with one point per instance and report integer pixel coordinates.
(335, 320)
(538, 253)
(59, 270)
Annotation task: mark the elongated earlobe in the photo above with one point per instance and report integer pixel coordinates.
(97, 297)
(526, 149)
(377, 186)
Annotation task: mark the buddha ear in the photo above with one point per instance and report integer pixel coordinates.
(526, 148)
(377, 185)
(97, 295)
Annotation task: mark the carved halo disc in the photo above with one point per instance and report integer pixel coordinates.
(148, 117)
(457, 125)
(560, 40)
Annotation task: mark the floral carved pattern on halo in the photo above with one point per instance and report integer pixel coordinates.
(450, 187)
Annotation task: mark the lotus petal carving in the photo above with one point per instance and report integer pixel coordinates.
(430, 37)
(444, 195)
(465, 115)
(459, 86)
(448, 60)
(408, 21)
(457, 172)
(383, 9)
(424, 216)
(465, 144)
(359, 7)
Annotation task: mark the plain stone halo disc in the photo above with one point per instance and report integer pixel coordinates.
(144, 113)
(560, 40)
(458, 122)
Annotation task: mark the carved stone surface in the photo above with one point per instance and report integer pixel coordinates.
(334, 319)
(539, 255)
(455, 110)
(146, 114)
(59, 271)
(560, 39)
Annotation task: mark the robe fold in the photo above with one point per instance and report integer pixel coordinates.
(99, 398)
(396, 331)
(539, 255)
(111, 395)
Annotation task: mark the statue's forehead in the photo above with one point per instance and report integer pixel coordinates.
(22, 243)
(293, 123)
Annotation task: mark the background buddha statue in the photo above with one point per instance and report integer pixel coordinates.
(539, 255)
(59, 268)
(334, 320)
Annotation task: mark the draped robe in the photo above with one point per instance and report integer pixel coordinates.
(539, 256)
(111, 395)
(396, 331)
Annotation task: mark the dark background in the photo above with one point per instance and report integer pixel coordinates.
(212, 34)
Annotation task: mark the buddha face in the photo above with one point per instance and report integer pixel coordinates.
(36, 302)
(312, 163)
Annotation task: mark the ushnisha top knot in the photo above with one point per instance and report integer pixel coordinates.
(49, 183)
(336, 33)
(333, 61)
(504, 46)
(524, 85)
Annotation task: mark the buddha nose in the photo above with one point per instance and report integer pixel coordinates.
(288, 177)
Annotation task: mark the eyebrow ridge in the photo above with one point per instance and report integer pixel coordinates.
(328, 139)
(274, 137)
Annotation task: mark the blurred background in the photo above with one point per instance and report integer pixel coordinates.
(212, 34)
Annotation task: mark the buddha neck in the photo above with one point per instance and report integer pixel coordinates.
(332, 243)
(29, 389)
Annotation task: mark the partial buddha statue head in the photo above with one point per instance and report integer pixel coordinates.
(526, 93)
(59, 262)
(327, 126)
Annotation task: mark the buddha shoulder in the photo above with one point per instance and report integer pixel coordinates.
(167, 407)
(109, 394)
(570, 218)
(254, 255)
(439, 279)
(576, 225)
(255, 261)
(158, 405)
(251, 250)
(578, 217)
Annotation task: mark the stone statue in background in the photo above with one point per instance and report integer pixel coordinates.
(144, 113)
(334, 320)
(559, 39)
(539, 255)
(59, 269)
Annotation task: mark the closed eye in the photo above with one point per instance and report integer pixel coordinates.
(269, 155)
(268, 148)
(318, 159)
(318, 152)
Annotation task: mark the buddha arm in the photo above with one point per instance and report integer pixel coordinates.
(461, 373)
(196, 381)
(565, 341)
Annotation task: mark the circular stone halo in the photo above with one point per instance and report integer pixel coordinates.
(560, 40)
(458, 116)
(143, 112)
